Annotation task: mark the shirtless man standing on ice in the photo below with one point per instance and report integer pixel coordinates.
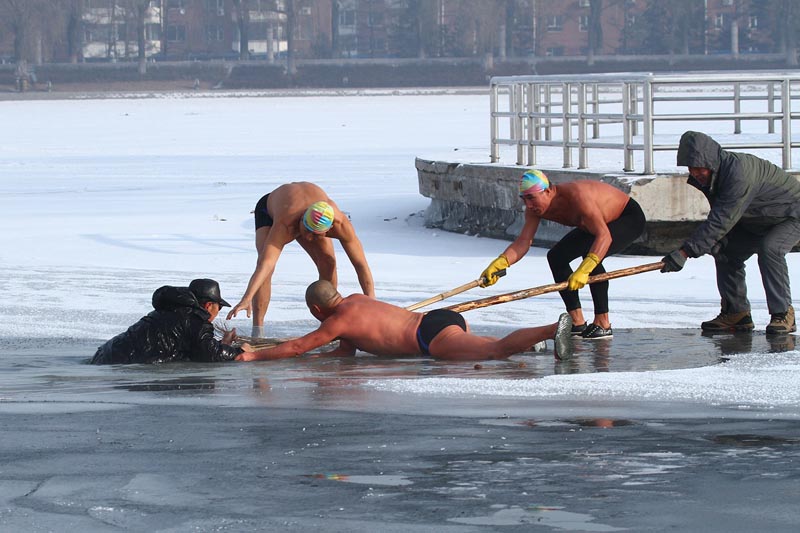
(299, 212)
(606, 221)
(363, 323)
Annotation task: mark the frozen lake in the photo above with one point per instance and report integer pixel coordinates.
(103, 201)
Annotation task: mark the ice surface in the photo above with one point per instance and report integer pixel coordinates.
(105, 200)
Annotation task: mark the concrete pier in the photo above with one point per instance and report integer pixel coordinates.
(482, 199)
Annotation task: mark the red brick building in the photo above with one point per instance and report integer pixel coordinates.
(214, 29)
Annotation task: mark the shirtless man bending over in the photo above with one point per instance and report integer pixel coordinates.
(366, 324)
(299, 212)
(606, 221)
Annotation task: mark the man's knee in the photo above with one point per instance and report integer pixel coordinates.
(556, 259)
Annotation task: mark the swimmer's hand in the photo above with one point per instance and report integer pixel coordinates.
(229, 337)
(248, 355)
(243, 305)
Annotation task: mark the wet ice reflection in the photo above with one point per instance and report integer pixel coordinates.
(553, 517)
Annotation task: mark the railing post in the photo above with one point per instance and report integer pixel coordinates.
(786, 129)
(737, 107)
(647, 133)
(595, 110)
(511, 130)
(533, 90)
(627, 137)
(771, 106)
(635, 109)
(582, 125)
(566, 125)
(548, 108)
(518, 134)
(494, 152)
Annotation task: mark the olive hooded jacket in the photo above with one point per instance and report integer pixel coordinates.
(176, 330)
(743, 188)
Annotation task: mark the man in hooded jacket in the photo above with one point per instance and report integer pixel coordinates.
(755, 209)
(178, 329)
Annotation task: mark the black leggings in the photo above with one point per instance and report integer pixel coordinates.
(624, 230)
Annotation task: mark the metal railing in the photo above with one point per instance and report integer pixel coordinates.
(569, 111)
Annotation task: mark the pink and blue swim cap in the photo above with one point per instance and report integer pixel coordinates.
(533, 181)
(318, 218)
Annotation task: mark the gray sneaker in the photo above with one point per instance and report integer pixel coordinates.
(563, 338)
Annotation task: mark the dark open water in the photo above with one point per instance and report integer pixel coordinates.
(319, 444)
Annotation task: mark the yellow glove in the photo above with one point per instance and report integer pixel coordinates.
(492, 272)
(580, 277)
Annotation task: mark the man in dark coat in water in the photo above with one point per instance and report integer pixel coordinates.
(178, 329)
(755, 209)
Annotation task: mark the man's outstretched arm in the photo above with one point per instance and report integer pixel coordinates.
(355, 252)
(294, 347)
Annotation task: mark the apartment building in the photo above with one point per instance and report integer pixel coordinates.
(179, 30)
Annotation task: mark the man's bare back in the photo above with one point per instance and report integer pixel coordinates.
(574, 202)
(288, 203)
(376, 327)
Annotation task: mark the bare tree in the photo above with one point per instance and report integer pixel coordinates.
(141, 7)
(28, 20)
(432, 29)
(242, 10)
(293, 7)
(74, 10)
(671, 27)
(595, 33)
(478, 25)
(789, 31)
(291, 26)
(335, 48)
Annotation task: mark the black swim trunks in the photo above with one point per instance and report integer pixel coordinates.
(262, 216)
(433, 323)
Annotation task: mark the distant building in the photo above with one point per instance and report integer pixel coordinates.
(109, 30)
(179, 30)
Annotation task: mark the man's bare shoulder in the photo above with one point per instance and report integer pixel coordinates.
(354, 312)
(589, 191)
(292, 199)
(357, 302)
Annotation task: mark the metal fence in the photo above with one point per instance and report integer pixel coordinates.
(569, 112)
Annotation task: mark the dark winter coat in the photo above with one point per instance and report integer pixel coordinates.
(177, 330)
(743, 188)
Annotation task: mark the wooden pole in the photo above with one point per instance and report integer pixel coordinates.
(259, 343)
(447, 294)
(553, 287)
(453, 292)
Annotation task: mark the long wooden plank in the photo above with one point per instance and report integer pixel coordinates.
(553, 287)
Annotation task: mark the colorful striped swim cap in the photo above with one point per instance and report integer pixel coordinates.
(318, 218)
(533, 181)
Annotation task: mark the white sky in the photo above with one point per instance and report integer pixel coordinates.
(105, 200)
